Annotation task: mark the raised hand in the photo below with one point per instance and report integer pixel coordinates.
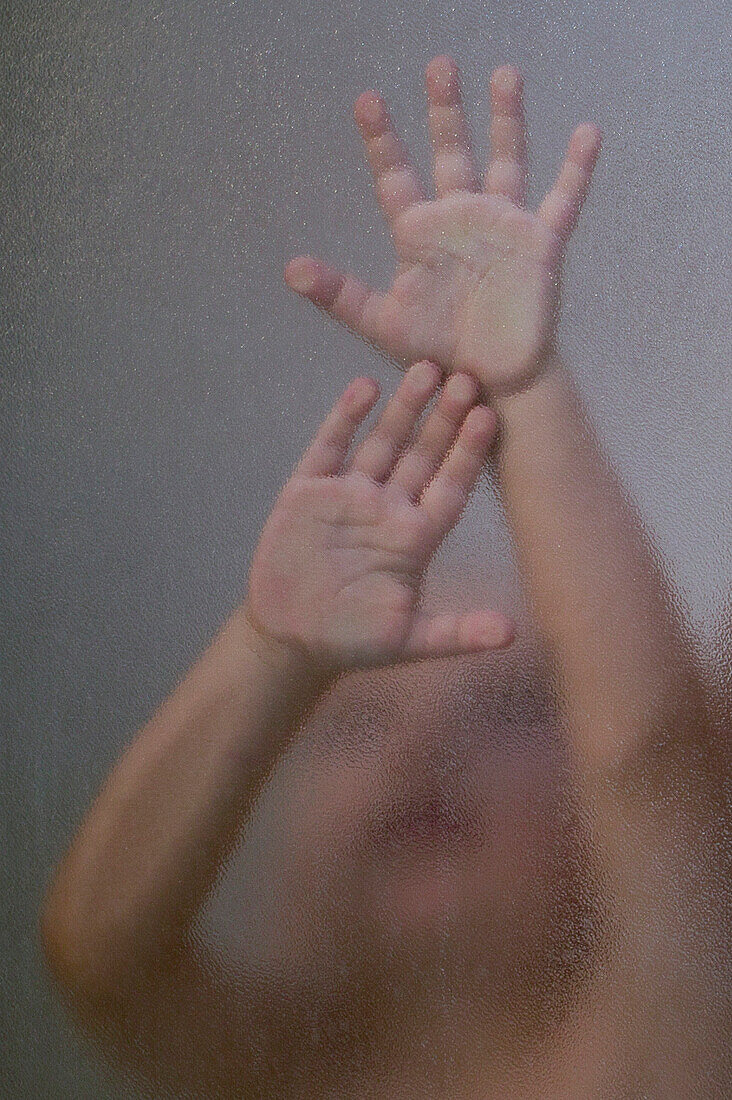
(477, 285)
(338, 568)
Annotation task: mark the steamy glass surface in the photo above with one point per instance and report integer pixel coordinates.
(430, 897)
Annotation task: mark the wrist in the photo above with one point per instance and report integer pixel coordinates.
(285, 659)
(552, 376)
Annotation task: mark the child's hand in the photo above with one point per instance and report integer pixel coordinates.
(338, 568)
(477, 281)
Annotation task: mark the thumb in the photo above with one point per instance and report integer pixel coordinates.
(451, 635)
(344, 297)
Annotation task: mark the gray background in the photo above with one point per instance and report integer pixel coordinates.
(161, 162)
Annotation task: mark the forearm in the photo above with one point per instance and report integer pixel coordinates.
(597, 593)
(170, 813)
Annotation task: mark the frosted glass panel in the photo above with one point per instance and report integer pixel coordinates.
(367, 609)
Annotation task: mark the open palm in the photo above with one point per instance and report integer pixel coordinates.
(339, 565)
(477, 284)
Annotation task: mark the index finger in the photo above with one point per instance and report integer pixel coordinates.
(327, 452)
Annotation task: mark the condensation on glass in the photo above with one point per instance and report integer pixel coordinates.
(479, 874)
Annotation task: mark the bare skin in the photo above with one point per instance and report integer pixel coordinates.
(572, 908)
(469, 255)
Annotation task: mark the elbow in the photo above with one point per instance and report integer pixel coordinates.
(675, 744)
(97, 961)
(60, 945)
(81, 967)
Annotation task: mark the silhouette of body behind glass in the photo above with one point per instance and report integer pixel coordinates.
(498, 871)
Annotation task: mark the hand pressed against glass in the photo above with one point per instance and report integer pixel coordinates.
(477, 284)
(338, 568)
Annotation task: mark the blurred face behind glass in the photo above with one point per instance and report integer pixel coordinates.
(430, 828)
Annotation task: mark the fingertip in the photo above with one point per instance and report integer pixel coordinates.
(300, 275)
(588, 139)
(504, 631)
(441, 65)
(362, 392)
(507, 80)
(483, 420)
(462, 387)
(425, 371)
(492, 416)
(432, 364)
(441, 78)
(486, 630)
(373, 387)
(497, 631)
(370, 114)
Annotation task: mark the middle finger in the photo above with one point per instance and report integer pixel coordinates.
(418, 465)
(454, 167)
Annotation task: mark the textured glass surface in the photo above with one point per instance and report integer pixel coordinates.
(556, 923)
